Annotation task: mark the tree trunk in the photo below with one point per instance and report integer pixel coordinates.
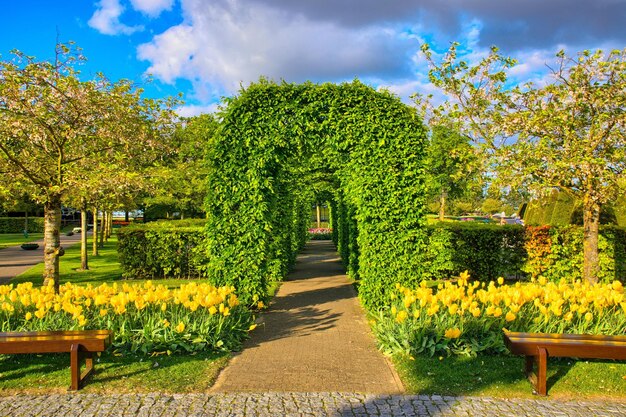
(126, 216)
(591, 226)
(94, 235)
(26, 223)
(319, 216)
(102, 227)
(442, 205)
(84, 262)
(52, 241)
(109, 226)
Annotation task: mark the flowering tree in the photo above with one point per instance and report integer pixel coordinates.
(568, 134)
(55, 129)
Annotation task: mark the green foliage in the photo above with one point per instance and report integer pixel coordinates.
(557, 253)
(275, 143)
(16, 224)
(491, 251)
(561, 208)
(161, 249)
(487, 251)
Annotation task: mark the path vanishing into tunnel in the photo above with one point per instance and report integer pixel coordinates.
(313, 338)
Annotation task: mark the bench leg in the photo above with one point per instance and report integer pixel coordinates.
(538, 379)
(76, 356)
(75, 367)
(542, 371)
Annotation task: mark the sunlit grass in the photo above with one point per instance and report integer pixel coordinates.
(502, 376)
(45, 374)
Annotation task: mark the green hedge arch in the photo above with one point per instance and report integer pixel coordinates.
(277, 140)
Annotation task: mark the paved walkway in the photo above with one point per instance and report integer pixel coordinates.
(14, 260)
(315, 337)
(295, 404)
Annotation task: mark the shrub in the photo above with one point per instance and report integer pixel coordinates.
(144, 318)
(490, 251)
(486, 250)
(16, 224)
(161, 249)
(467, 318)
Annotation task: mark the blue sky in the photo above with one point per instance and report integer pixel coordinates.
(207, 49)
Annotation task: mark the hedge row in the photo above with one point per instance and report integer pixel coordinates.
(492, 251)
(162, 249)
(16, 224)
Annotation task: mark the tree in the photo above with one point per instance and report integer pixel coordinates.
(451, 165)
(178, 181)
(568, 134)
(53, 126)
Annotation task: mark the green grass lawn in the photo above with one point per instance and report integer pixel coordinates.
(46, 374)
(16, 239)
(502, 376)
(102, 268)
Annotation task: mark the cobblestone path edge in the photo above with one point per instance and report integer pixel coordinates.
(294, 404)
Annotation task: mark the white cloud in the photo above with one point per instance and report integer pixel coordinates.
(224, 43)
(195, 110)
(152, 8)
(106, 19)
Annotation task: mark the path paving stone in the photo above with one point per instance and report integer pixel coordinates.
(329, 404)
(315, 337)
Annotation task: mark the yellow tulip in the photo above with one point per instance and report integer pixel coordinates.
(28, 316)
(453, 333)
(510, 316)
(401, 316)
(180, 327)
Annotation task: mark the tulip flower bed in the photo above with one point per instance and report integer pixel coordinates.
(467, 318)
(322, 233)
(145, 318)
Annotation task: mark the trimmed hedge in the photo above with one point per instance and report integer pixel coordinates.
(491, 251)
(16, 224)
(162, 249)
(487, 251)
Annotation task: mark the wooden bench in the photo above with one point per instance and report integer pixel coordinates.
(81, 344)
(538, 347)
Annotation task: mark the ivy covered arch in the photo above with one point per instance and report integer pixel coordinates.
(277, 143)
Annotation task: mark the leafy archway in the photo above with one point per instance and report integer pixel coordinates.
(274, 142)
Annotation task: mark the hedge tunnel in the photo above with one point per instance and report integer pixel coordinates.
(281, 147)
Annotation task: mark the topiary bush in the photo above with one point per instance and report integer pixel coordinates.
(162, 249)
